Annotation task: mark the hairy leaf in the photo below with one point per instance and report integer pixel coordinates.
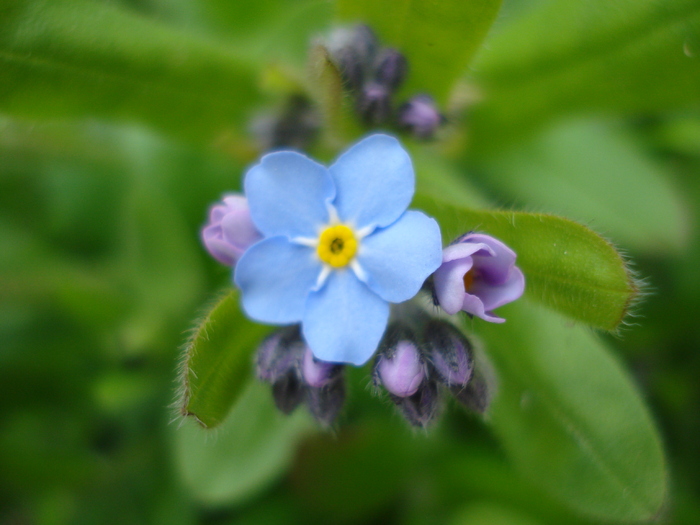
(566, 265)
(327, 86)
(218, 361)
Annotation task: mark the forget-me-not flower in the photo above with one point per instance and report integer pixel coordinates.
(338, 245)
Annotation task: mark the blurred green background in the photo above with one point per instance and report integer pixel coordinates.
(121, 121)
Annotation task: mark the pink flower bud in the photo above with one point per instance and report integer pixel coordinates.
(230, 230)
(317, 373)
(400, 369)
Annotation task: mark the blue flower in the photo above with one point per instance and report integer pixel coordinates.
(338, 245)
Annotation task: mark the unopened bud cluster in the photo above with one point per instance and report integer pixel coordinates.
(373, 74)
(295, 125)
(418, 368)
(285, 361)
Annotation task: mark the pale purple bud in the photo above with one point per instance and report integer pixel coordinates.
(374, 103)
(402, 373)
(288, 392)
(475, 396)
(449, 352)
(326, 402)
(391, 68)
(279, 353)
(230, 230)
(421, 408)
(399, 366)
(317, 373)
(420, 116)
(478, 274)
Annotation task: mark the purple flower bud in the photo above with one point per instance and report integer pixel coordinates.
(476, 395)
(325, 403)
(296, 127)
(279, 353)
(391, 68)
(403, 373)
(478, 274)
(421, 408)
(288, 392)
(420, 116)
(449, 352)
(230, 230)
(317, 373)
(353, 51)
(364, 42)
(398, 365)
(374, 103)
(351, 69)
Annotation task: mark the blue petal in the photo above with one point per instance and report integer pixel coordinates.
(275, 277)
(374, 181)
(344, 321)
(288, 195)
(399, 258)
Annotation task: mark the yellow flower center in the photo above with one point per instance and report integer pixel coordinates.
(337, 245)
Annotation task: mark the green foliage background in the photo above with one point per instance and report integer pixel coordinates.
(122, 120)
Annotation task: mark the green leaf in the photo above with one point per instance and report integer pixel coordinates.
(566, 265)
(218, 361)
(78, 58)
(356, 473)
(327, 86)
(269, 30)
(601, 55)
(158, 264)
(252, 448)
(571, 419)
(438, 38)
(594, 173)
(438, 177)
(487, 513)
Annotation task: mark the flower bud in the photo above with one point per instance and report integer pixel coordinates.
(296, 127)
(230, 230)
(477, 275)
(420, 116)
(317, 373)
(398, 365)
(391, 68)
(421, 408)
(325, 403)
(476, 395)
(449, 352)
(374, 103)
(353, 51)
(288, 392)
(351, 69)
(279, 353)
